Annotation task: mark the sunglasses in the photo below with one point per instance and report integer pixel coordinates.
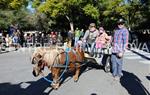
(119, 23)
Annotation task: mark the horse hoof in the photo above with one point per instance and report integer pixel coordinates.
(55, 86)
(75, 80)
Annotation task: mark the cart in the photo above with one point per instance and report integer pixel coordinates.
(106, 60)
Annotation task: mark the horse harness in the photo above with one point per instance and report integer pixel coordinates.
(57, 64)
(66, 52)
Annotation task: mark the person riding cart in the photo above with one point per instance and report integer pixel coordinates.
(90, 37)
(101, 41)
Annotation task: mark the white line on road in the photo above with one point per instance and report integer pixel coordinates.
(136, 57)
(145, 62)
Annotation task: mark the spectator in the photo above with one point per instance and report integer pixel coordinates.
(77, 35)
(8, 40)
(16, 40)
(33, 38)
(42, 39)
(70, 37)
(59, 38)
(82, 33)
(80, 42)
(22, 39)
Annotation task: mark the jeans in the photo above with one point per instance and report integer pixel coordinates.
(15, 40)
(116, 65)
(76, 41)
(90, 47)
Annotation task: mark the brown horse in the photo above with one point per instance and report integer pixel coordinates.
(55, 60)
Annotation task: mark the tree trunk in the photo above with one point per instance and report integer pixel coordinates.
(71, 26)
(71, 23)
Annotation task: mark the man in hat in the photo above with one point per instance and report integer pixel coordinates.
(90, 37)
(120, 42)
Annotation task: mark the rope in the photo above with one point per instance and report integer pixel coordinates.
(67, 61)
(50, 81)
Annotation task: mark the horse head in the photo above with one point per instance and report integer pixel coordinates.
(43, 57)
(37, 61)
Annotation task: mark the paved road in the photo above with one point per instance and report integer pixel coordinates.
(17, 79)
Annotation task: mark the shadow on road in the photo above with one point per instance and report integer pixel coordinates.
(148, 77)
(93, 94)
(143, 56)
(92, 63)
(33, 88)
(3, 52)
(133, 84)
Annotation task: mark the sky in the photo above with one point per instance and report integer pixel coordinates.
(29, 7)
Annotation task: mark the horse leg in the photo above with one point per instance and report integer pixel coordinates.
(55, 75)
(77, 72)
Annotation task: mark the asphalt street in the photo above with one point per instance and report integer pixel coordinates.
(16, 77)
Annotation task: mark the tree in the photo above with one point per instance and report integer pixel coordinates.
(12, 4)
(111, 11)
(70, 9)
(11, 11)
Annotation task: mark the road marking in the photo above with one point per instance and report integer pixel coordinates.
(134, 56)
(137, 54)
(137, 57)
(140, 52)
(24, 85)
(141, 55)
(145, 62)
(130, 54)
(47, 90)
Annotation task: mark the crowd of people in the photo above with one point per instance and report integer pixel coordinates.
(11, 41)
(22, 39)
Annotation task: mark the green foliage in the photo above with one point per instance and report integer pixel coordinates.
(91, 11)
(6, 18)
(36, 3)
(4, 4)
(60, 13)
(72, 10)
(12, 4)
(56, 8)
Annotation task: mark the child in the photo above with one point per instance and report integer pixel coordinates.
(8, 40)
(80, 42)
(100, 41)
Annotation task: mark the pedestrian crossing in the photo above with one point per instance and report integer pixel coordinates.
(141, 56)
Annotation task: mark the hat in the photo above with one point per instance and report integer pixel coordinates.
(92, 25)
(120, 21)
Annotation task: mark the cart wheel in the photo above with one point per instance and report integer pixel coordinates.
(107, 66)
(3, 47)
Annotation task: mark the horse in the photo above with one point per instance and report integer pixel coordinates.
(57, 60)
